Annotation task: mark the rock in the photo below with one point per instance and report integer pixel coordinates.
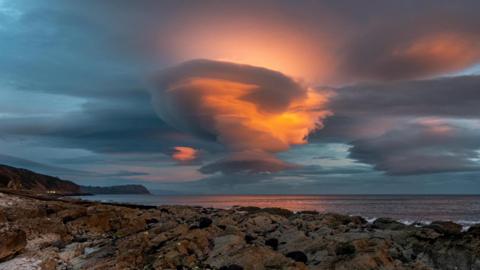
(71, 214)
(271, 210)
(345, 249)
(272, 242)
(82, 235)
(249, 239)
(297, 256)
(226, 244)
(248, 209)
(252, 257)
(231, 267)
(278, 211)
(446, 227)
(204, 222)
(3, 217)
(388, 224)
(308, 212)
(11, 243)
(358, 220)
(474, 230)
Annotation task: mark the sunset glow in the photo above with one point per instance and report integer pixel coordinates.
(242, 124)
(183, 153)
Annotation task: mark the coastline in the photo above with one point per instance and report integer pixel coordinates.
(64, 233)
(414, 209)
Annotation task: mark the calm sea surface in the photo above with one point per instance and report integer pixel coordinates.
(464, 209)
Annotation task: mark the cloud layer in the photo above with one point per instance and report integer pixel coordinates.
(247, 109)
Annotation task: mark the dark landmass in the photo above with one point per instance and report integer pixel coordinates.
(121, 189)
(23, 179)
(51, 233)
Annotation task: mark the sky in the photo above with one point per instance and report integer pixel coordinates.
(233, 97)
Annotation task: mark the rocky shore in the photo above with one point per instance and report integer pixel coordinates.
(45, 233)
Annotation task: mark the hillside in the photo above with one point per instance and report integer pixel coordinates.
(18, 179)
(122, 189)
(23, 179)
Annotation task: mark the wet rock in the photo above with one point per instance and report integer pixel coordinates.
(297, 256)
(11, 243)
(446, 227)
(388, 224)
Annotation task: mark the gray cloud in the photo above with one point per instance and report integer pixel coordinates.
(420, 148)
(247, 163)
(444, 97)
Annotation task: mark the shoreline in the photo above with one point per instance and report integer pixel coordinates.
(466, 223)
(59, 233)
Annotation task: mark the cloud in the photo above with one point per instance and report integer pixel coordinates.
(443, 97)
(424, 146)
(395, 56)
(246, 108)
(370, 110)
(184, 154)
(251, 162)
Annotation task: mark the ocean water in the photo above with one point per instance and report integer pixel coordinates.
(463, 209)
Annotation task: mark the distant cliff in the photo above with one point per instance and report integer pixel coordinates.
(123, 189)
(23, 179)
(18, 179)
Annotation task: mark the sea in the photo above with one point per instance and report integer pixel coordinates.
(462, 209)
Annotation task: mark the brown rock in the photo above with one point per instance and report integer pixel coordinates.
(3, 217)
(11, 243)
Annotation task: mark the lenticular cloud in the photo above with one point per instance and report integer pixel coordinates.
(247, 109)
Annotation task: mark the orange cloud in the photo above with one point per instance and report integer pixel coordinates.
(184, 154)
(442, 52)
(246, 108)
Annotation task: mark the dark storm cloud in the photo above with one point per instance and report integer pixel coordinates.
(102, 127)
(421, 148)
(387, 124)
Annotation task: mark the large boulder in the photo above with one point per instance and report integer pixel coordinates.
(446, 227)
(388, 224)
(11, 243)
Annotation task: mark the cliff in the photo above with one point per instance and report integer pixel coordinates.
(23, 179)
